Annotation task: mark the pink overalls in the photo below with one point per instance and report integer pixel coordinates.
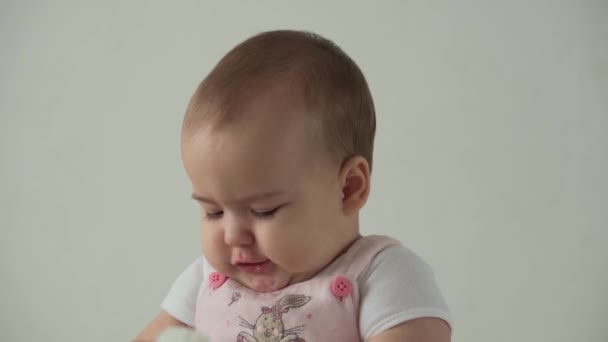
(324, 308)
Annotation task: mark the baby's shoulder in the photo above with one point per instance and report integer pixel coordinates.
(398, 285)
(394, 262)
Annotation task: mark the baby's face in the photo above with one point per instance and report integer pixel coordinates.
(271, 202)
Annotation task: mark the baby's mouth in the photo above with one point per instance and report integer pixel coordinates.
(254, 267)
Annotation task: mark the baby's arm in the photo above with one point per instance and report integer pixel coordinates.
(181, 335)
(425, 329)
(179, 305)
(163, 321)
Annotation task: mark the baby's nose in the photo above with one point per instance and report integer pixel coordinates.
(237, 234)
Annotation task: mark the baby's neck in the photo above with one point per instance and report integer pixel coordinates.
(349, 240)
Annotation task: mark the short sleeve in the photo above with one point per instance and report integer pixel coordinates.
(180, 302)
(397, 287)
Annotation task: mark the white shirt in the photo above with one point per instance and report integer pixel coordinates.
(397, 286)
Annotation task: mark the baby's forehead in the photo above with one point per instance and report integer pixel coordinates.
(289, 133)
(268, 109)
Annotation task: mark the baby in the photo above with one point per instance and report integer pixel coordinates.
(277, 142)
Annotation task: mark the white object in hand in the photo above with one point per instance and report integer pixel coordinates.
(181, 335)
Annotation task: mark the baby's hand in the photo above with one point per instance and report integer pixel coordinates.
(181, 335)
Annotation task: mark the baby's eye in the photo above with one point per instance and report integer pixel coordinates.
(213, 215)
(265, 214)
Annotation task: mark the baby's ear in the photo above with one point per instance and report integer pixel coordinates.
(355, 182)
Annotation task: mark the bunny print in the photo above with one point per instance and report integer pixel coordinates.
(269, 326)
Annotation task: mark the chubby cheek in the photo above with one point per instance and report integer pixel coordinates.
(309, 244)
(288, 246)
(212, 243)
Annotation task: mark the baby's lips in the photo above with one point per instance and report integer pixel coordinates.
(248, 261)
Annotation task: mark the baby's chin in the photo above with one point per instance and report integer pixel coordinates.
(265, 283)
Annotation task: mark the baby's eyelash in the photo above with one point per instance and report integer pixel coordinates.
(213, 215)
(265, 214)
(268, 214)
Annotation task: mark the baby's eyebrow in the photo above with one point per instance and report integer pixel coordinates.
(246, 199)
(202, 199)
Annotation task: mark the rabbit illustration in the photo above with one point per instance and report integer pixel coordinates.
(269, 326)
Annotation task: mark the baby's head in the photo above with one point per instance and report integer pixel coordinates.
(277, 142)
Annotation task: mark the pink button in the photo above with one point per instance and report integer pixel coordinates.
(217, 279)
(341, 287)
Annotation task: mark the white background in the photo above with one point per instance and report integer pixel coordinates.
(491, 154)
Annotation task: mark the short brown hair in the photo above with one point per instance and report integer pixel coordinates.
(313, 69)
